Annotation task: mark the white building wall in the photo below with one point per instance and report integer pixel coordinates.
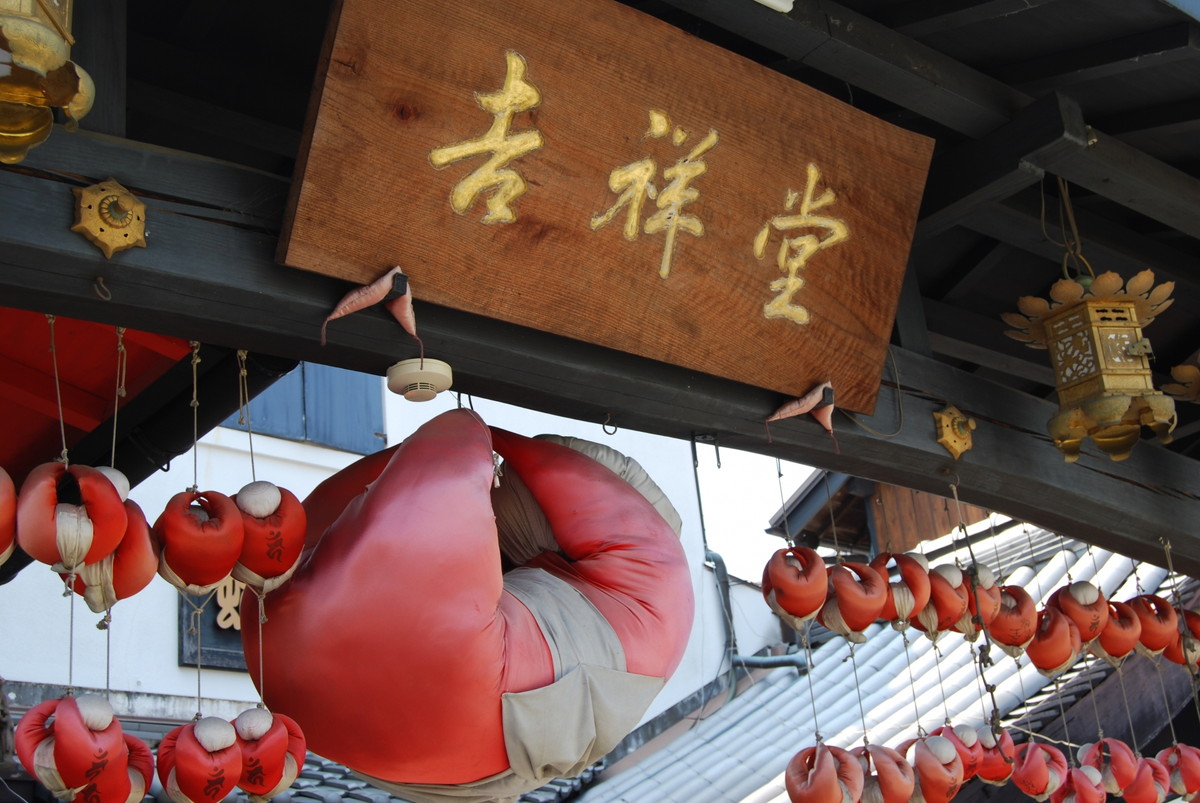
(137, 657)
(138, 653)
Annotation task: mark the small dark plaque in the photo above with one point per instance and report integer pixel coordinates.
(210, 627)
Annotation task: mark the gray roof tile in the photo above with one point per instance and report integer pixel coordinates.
(737, 754)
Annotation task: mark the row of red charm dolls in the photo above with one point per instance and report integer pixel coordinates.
(76, 748)
(849, 597)
(80, 521)
(942, 761)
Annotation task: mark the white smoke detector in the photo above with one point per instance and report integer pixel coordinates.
(419, 379)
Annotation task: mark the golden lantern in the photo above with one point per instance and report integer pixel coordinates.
(36, 74)
(1101, 360)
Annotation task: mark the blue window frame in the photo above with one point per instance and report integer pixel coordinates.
(323, 405)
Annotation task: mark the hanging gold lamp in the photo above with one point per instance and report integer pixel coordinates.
(1093, 331)
(36, 74)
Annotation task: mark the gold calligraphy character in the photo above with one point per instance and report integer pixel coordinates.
(229, 600)
(505, 184)
(795, 252)
(633, 184)
(675, 196)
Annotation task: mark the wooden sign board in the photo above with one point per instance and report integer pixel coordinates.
(585, 169)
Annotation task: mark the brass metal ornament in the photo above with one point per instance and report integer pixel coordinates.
(954, 430)
(1101, 360)
(36, 74)
(1186, 386)
(110, 217)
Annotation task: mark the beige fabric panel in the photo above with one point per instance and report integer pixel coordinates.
(561, 729)
(594, 709)
(505, 787)
(576, 632)
(590, 714)
(523, 530)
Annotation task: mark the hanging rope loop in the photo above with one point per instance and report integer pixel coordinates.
(62, 424)
(195, 405)
(1072, 242)
(244, 407)
(194, 627)
(120, 391)
(983, 651)
(812, 694)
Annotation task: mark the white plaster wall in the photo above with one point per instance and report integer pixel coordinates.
(139, 651)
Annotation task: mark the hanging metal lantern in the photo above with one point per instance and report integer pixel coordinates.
(36, 74)
(1101, 360)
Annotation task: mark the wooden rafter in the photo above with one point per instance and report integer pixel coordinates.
(1132, 178)
(1115, 247)
(866, 54)
(854, 48)
(1015, 156)
(947, 323)
(1140, 51)
(918, 18)
(976, 272)
(1180, 118)
(35, 390)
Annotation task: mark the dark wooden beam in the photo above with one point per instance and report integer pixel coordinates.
(208, 274)
(1132, 178)
(978, 271)
(1187, 430)
(867, 54)
(1180, 118)
(987, 346)
(211, 121)
(917, 18)
(1107, 59)
(1001, 164)
(856, 49)
(965, 351)
(911, 330)
(100, 48)
(155, 427)
(1108, 245)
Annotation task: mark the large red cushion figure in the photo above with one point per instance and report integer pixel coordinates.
(404, 650)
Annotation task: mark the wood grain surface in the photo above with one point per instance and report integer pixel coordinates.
(736, 151)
